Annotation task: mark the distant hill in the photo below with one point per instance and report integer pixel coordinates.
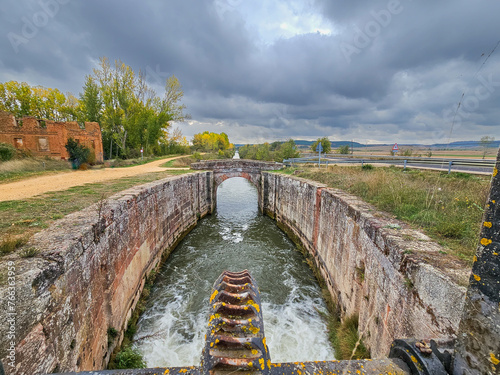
(335, 144)
(465, 144)
(456, 145)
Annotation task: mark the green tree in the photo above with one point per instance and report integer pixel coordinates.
(21, 99)
(286, 150)
(132, 114)
(325, 142)
(343, 150)
(486, 142)
(78, 154)
(91, 103)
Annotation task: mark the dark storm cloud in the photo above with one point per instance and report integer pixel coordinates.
(387, 69)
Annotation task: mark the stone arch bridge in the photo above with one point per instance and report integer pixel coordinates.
(230, 168)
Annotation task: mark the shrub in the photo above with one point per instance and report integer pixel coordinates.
(367, 167)
(78, 154)
(343, 149)
(7, 151)
(129, 358)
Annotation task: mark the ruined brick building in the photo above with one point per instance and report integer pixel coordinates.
(48, 138)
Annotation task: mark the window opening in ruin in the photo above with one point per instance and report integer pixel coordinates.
(43, 144)
(81, 124)
(18, 142)
(42, 124)
(19, 123)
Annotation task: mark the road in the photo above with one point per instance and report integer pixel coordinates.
(437, 164)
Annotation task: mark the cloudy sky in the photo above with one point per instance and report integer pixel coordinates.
(364, 70)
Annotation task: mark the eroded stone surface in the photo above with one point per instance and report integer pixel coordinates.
(478, 347)
(374, 265)
(90, 273)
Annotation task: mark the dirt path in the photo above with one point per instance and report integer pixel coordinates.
(38, 185)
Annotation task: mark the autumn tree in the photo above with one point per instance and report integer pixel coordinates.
(208, 142)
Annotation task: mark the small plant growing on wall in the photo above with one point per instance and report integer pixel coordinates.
(78, 154)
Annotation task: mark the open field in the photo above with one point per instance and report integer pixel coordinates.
(424, 152)
(448, 208)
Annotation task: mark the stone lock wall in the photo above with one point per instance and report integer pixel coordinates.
(371, 270)
(90, 273)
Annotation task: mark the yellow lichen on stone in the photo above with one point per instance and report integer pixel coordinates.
(485, 242)
(214, 294)
(475, 259)
(495, 172)
(268, 363)
(488, 224)
(477, 278)
(262, 364)
(494, 359)
(166, 372)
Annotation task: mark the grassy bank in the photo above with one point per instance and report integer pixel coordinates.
(20, 219)
(448, 208)
(18, 169)
(186, 161)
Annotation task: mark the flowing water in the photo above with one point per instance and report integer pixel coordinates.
(172, 329)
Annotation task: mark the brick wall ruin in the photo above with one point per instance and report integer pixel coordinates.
(48, 138)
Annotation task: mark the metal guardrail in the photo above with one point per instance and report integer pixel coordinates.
(396, 160)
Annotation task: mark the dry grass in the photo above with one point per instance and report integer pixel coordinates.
(10, 243)
(21, 168)
(184, 162)
(344, 337)
(449, 208)
(20, 219)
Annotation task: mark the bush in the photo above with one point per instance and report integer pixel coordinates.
(343, 149)
(78, 154)
(7, 151)
(129, 358)
(367, 167)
